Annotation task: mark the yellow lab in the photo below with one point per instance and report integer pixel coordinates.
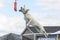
(31, 21)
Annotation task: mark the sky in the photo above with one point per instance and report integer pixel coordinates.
(47, 12)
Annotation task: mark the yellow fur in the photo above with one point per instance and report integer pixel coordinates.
(31, 21)
(36, 23)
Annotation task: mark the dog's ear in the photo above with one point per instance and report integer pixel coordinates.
(27, 10)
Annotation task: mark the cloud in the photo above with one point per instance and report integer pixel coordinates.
(2, 3)
(16, 24)
(50, 12)
(48, 4)
(3, 19)
(11, 24)
(47, 19)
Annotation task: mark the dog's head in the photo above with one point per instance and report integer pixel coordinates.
(24, 10)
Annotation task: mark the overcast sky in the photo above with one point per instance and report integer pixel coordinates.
(47, 12)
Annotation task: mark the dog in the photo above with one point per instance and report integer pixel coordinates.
(31, 21)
